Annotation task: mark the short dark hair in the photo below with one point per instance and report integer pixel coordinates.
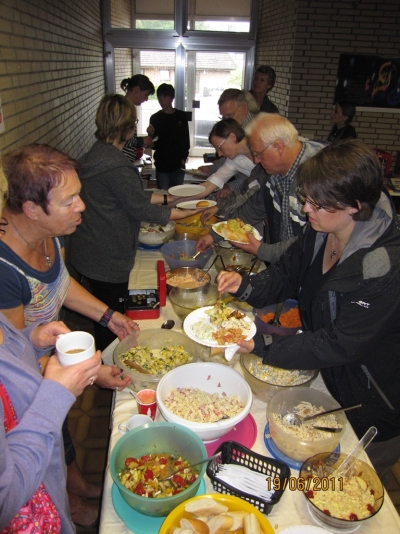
(269, 71)
(115, 118)
(225, 127)
(348, 109)
(166, 89)
(138, 80)
(347, 172)
(32, 172)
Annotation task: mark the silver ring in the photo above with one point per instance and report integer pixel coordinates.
(91, 380)
(116, 389)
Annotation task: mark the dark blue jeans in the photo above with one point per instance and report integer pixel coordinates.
(165, 180)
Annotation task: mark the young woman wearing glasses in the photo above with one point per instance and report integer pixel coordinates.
(344, 269)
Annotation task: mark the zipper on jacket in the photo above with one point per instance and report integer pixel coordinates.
(378, 389)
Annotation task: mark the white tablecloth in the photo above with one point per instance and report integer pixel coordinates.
(291, 509)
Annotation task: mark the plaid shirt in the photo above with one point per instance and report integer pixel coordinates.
(279, 188)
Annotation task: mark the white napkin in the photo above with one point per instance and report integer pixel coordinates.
(230, 352)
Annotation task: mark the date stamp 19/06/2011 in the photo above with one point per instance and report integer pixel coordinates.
(305, 484)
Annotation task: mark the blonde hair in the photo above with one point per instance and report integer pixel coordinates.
(272, 127)
(115, 118)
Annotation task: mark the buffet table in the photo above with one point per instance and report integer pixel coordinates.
(291, 509)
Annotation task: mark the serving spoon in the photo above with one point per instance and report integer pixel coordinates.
(189, 466)
(297, 420)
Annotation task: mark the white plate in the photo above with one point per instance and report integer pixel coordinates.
(200, 314)
(304, 529)
(191, 204)
(186, 190)
(195, 172)
(255, 232)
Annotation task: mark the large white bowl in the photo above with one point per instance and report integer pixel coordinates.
(211, 378)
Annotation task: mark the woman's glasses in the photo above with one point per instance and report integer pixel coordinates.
(219, 146)
(303, 199)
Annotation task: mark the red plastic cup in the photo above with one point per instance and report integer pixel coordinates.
(146, 402)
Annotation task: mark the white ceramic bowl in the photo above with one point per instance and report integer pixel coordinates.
(211, 378)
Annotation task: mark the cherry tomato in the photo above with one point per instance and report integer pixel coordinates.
(148, 475)
(163, 461)
(130, 461)
(310, 494)
(143, 460)
(179, 481)
(140, 489)
(353, 517)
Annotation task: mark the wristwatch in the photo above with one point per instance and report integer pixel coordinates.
(106, 317)
(165, 203)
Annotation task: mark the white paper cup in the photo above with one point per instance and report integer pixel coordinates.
(67, 344)
(133, 422)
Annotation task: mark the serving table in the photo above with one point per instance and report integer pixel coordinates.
(292, 508)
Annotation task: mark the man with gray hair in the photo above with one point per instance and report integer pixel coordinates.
(239, 105)
(275, 145)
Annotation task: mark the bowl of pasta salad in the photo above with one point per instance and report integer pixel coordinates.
(302, 442)
(208, 398)
(266, 381)
(340, 503)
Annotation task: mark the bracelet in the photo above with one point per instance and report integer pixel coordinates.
(165, 203)
(106, 317)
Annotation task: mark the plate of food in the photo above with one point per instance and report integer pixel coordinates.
(194, 204)
(218, 326)
(235, 230)
(195, 172)
(186, 190)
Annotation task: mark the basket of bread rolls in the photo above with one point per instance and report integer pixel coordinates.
(216, 514)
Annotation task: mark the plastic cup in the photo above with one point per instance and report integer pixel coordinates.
(146, 402)
(133, 422)
(75, 347)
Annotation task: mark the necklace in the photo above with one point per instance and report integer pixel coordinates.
(333, 251)
(48, 258)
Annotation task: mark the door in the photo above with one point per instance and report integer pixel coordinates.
(208, 74)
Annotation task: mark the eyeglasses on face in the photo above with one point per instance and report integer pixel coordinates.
(259, 154)
(228, 115)
(219, 146)
(303, 199)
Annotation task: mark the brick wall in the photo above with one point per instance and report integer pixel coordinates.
(51, 73)
(121, 14)
(306, 75)
(123, 66)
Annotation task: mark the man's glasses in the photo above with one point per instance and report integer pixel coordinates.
(259, 154)
(303, 199)
(219, 146)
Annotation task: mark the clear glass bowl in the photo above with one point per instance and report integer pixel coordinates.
(265, 390)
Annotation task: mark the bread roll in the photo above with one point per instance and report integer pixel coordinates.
(238, 518)
(205, 506)
(195, 525)
(202, 204)
(251, 525)
(220, 524)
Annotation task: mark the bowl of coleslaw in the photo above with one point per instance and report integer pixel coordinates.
(266, 381)
(302, 442)
(342, 504)
(198, 395)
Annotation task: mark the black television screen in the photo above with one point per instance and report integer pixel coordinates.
(368, 81)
